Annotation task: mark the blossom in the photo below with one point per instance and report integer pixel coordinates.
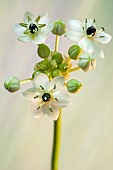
(46, 96)
(34, 29)
(87, 36)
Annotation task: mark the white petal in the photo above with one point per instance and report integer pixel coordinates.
(39, 38)
(75, 25)
(19, 29)
(26, 15)
(63, 98)
(30, 93)
(36, 110)
(45, 19)
(89, 23)
(25, 38)
(102, 37)
(99, 52)
(74, 36)
(40, 80)
(47, 29)
(87, 44)
(51, 109)
(56, 83)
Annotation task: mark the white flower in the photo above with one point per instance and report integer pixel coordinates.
(87, 36)
(47, 96)
(34, 29)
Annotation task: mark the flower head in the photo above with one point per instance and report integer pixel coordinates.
(87, 36)
(34, 29)
(47, 96)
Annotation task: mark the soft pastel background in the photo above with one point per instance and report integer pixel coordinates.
(87, 124)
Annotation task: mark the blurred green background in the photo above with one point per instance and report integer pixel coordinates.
(87, 124)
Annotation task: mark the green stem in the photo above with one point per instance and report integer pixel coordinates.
(74, 69)
(57, 126)
(56, 43)
(26, 80)
(56, 142)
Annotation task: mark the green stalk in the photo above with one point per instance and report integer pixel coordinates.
(56, 142)
(26, 80)
(57, 128)
(56, 43)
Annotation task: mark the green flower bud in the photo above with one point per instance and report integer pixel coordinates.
(12, 84)
(86, 62)
(58, 58)
(36, 72)
(43, 51)
(59, 28)
(48, 73)
(52, 64)
(63, 67)
(56, 72)
(74, 52)
(42, 65)
(73, 86)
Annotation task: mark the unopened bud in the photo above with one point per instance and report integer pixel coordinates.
(59, 28)
(48, 73)
(58, 58)
(74, 52)
(52, 64)
(12, 84)
(43, 51)
(63, 67)
(73, 86)
(56, 72)
(36, 72)
(42, 65)
(86, 62)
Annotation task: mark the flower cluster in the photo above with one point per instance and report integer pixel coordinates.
(51, 88)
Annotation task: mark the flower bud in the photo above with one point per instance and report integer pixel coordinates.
(74, 52)
(59, 28)
(86, 62)
(56, 72)
(43, 51)
(63, 67)
(52, 64)
(12, 84)
(42, 65)
(36, 72)
(73, 86)
(48, 73)
(58, 58)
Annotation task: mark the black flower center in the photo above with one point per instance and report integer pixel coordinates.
(46, 97)
(91, 31)
(33, 28)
